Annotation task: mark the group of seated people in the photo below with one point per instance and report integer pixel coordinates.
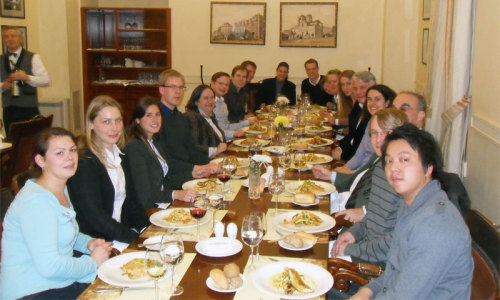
(102, 184)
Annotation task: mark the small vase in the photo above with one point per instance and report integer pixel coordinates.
(254, 180)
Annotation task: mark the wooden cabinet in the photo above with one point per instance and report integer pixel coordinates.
(124, 51)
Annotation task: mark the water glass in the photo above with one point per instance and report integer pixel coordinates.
(154, 267)
(251, 233)
(172, 252)
(276, 187)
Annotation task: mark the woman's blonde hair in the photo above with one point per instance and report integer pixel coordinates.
(390, 118)
(93, 142)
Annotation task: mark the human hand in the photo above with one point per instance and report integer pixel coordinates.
(238, 133)
(341, 243)
(101, 253)
(19, 75)
(352, 215)
(343, 169)
(253, 120)
(363, 294)
(185, 195)
(249, 115)
(221, 148)
(94, 243)
(336, 153)
(200, 171)
(321, 172)
(7, 84)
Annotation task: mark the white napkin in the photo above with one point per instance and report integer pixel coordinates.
(344, 257)
(163, 205)
(120, 246)
(218, 246)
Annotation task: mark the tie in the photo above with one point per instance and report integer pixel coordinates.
(12, 54)
(361, 192)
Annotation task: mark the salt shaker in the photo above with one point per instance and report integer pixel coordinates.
(232, 230)
(219, 229)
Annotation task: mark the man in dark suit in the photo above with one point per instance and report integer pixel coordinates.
(175, 135)
(279, 85)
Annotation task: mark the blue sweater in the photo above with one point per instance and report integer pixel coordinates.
(38, 239)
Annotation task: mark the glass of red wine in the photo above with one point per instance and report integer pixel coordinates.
(229, 166)
(198, 209)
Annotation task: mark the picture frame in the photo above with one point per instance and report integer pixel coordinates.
(425, 42)
(238, 23)
(24, 33)
(302, 22)
(12, 9)
(426, 9)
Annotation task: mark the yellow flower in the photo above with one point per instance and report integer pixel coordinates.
(283, 120)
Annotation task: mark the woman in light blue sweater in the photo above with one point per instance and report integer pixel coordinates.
(40, 230)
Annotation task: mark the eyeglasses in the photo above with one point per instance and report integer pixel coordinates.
(383, 134)
(175, 87)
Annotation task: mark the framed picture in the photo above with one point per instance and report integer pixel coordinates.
(238, 23)
(308, 24)
(24, 34)
(426, 9)
(425, 42)
(12, 8)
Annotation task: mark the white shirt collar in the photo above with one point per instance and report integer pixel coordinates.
(114, 156)
(317, 81)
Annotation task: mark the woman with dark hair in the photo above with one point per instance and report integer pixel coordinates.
(378, 97)
(102, 189)
(279, 85)
(153, 178)
(40, 231)
(207, 134)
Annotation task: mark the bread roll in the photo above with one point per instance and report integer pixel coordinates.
(219, 278)
(231, 270)
(294, 241)
(306, 237)
(305, 197)
(236, 282)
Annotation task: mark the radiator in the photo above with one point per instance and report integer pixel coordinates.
(59, 108)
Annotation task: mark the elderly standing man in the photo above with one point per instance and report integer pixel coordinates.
(21, 72)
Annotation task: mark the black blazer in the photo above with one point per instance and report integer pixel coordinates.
(267, 92)
(203, 134)
(92, 194)
(150, 186)
(349, 144)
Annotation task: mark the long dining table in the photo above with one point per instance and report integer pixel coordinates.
(197, 272)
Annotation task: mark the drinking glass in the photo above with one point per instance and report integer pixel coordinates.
(251, 233)
(276, 187)
(214, 199)
(198, 209)
(229, 166)
(263, 219)
(172, 252)
(298, 160)
(154, 267)
(284, 161)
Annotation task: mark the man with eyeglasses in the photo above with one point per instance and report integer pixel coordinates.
(175, 136)
(413, 105)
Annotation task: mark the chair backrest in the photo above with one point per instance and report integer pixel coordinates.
(486, 254)
(19, 180)
(21, 135)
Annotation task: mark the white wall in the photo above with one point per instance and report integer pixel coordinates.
(483, 149)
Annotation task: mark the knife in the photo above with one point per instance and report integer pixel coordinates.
(121, 289)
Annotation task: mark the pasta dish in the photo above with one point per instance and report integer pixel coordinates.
(179, 216)
(306, 218)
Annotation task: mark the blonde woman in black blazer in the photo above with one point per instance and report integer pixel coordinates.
(206, 133)
(155, 180)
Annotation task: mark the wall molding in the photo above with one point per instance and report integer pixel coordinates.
(486, 128)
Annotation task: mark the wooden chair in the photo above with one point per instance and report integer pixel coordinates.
(21, 136)
(485, 252)
(19, 180)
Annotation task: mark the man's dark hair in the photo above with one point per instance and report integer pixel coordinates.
(420, 141)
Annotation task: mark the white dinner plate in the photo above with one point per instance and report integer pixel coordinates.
(321, 158)
(275, 149)
(242, 162)
(328, 188)
(316, 202)
(309, 129)
(326, 142)
(321, 278)
(211, 285)
(260, 141)
(250, 131)
(306, 167)
(287, 246)
(111, 273)
(218, 247)
(158, 219)
(327, 222)
(193, 185)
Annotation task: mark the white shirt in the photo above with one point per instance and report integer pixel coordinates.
(118, 179)
(317, 81)
(162, 161)
(40, 75)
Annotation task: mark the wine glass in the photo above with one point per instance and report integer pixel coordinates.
(284, 161)
(263, 219)
(229, 166)
(198, 209)
(172, 252)
(154, 267)
(298, 161)
(276, 187)
(251, 233)
(214, 199)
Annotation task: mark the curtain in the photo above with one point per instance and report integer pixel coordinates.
(450, 49)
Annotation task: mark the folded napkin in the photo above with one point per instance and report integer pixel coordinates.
(163, 205)
(119, 245)
(217, 246)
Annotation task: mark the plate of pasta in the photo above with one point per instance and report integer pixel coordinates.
(245, 143)
(304, 220)
(292, 280)
(176, 218)
(319, 188)
(201, 185)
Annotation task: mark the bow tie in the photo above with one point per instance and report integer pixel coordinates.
(12, 54)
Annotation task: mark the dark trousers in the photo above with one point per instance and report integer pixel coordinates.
(16, 113)
(70, 292)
